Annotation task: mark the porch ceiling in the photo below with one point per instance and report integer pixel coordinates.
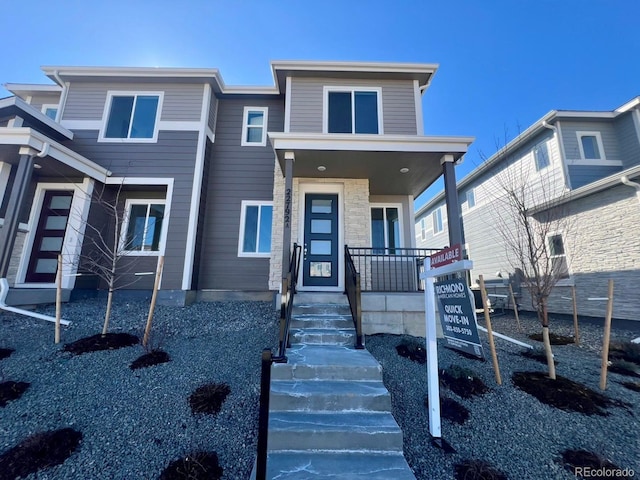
(378, 158)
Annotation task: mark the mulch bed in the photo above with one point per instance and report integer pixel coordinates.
(412, 351)
(5, 352)
(477, 470)
(553, 339)
(41, 450)
(634, 386)
(155, 357)
(209, 398)
(96, 343)
(451, 410)
(11, 391)
(199, 466)
(573, 460)
(537, 355)
(463, 382)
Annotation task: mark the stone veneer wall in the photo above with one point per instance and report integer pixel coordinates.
(357, 216)
(12, 272)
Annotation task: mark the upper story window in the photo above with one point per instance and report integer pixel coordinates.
(385, 229)
(541, 156)
(590, 145)
(50, 110)
(471, 198)
(254, 126)
(352, 110)
(131, 116)
(423, 228)
(437, 220)
(143, 226)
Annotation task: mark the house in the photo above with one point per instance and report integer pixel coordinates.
(220, 180)
(583, 167)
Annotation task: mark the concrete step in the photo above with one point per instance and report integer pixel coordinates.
(329, 396)
(327, 362)
(335, 298)
(322, 321)
(333, 465)
(323, 336)
(321, 309)
(334, 431)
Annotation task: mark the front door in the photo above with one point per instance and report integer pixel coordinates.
(47, 243)
(320, 250)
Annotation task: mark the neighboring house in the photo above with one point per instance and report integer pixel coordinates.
(220, 180)
(579, 159)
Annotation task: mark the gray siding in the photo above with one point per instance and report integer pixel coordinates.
(398, 104)
(628, 140)
(582, 175)
(213, 112)
(235, 173)
(182, 102)
(607, 132)
(44, 98)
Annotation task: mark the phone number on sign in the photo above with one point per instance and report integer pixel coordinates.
(462, 331)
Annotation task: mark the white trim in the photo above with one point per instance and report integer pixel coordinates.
(351, 89)
(196, 192)
(178, 125)
(384, 206)
(598, 137)
(433, 220)
(211, 136)
(135, 94)
(287, 106)
(46, 106)
(243, 208)
(82, 124)
(129, 202)
(5, 172)
(245, 126)
(338, 188)
(412, 217)
(419, 114)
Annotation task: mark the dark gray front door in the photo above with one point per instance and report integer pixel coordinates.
(320, 254)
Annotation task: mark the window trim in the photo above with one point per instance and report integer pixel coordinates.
(325, 107)
(535, 156)
(46, 106)
(125, 227)
(598, 137)
(245, 126)
(243, 210)
(569, 279)
(384, 206)
(130, 93)
(433, 221)
(423, 229)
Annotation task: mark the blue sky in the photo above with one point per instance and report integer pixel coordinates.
(503, 63)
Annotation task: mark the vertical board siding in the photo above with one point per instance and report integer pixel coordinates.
(86, 101)
(235, 173)
(398, 103)
(628, 140)
(607, 132)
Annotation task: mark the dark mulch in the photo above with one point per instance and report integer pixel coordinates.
(627, 351)
(154, 357)
(11, 391)
(96, 343)
(462, 381)
(553, 338)
(477, 470)
(466, 355)
(537, 355)
(451, 410)
(209, 398)
(199, 466)
(41, 450)
(589, 463)
(564, 394)
(634, 386)
(412, 351)
(625, 368)
(5, 352)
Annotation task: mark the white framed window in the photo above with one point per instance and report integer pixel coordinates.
(590, 145)
(255, 229)
(254, 126)
(541, 156)
(143, 231)
(386, 228)
(437, 220)
(423, 228)
(50, 110)
(558, 256)
(131, 117)
(471, 198)
(356, 110)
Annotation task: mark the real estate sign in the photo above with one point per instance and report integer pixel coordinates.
(457, 316)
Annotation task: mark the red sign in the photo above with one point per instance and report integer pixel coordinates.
(446, 256)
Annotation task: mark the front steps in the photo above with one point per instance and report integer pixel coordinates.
(329, 412)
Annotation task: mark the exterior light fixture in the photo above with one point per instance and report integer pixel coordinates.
(321, 168)
(404, 170)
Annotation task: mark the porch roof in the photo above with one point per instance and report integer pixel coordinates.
(379, 158)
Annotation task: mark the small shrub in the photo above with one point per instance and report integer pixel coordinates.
(451, 410)
(623, 367)
(572, 459)
(11, 391)
(5, 352)
(553, 339)
(39, 451)
(209, 398)
(477, 470)
(155, 357)
(627, 351)
(96, 343)
(198, 466)
(462, 382)
(412, 351)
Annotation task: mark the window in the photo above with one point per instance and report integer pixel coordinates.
(541, 156)
(437, 220)
(143, 226)
(50, 110)
(352, 110)
(471, 198)
(590, 145)
(423, 228)
(254, 126)
(255, 229)
(385, 229)
(557, 256)
(131, 117)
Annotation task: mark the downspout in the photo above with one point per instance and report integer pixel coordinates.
(4, 283)
(563, 157)
(63, 95)
(625, 180)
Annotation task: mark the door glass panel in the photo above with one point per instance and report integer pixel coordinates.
(51, 244)
(320, 226)
(321, 205)
(320, 247)
(46, 265)
(320, 269)
(56, 223)
(61, 202)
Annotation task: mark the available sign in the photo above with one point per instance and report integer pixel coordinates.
(457, 316)
(446, 256)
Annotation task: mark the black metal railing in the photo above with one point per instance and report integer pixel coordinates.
(353, 291)
(289, 282)
(390, 269)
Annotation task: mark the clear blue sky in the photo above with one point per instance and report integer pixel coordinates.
(503, 63)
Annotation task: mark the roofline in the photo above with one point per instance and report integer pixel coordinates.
(31, 87)
(27, 108)
(341, 66)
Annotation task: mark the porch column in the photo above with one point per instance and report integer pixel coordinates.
(12, 216)
(289, 158)
(451, 198)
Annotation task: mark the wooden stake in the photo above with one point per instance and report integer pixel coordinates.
(154, 296)
(487, 318)
(58, 299)
(607, 336)
(515, 308)
(576, 331)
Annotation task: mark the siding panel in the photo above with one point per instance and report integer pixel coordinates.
(628, 140)
(607, 132)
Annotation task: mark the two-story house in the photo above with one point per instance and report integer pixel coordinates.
(220, 180)
(581, 165)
